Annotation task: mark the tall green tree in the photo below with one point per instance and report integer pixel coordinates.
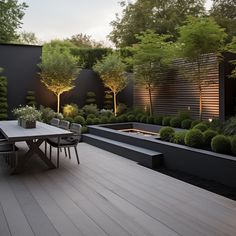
(112, 72)
(59, 69)
(200, 36)
(231, 47)
(11, 14)
(224, 13)
(28, 38)
(161, 16)
(152, 57)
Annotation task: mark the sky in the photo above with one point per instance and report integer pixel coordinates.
(60, 19)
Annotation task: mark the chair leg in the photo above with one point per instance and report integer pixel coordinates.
(69, 153)
(50, 152)
(58, 157)
(65, 152)
(77, 156)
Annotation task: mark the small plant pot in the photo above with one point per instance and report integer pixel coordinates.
(28, 124)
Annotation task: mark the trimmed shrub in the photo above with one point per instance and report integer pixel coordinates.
(70, 110)
(166, 121)
(122, 118)
(221, 144)
(104, 120)
(194, 123)
(202, 127)
(230, 126)
(194, 138)
(150, 120)
(96, 121)
(175, 122)
(131, 118)
(138, 116)
(112, 119)
(79, 120)
(233, 145)
(184, 115)
(143, 119)
(108, 100)
(30, 98)
(179, 137)
(91, 109)
(90, 98)
(89, 121)
(158, 120)
(106, 112)
(186, 124)
(216, 125)
(70, 119)
(91, 116)
(166, 133)
(84, 130)
(47, 114)
(208, 136)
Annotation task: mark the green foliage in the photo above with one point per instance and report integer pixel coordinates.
(184, 115)
(175, 122)
(28, 38)
(158, 120)
(230, 126)
(216, 125)
(3, 97)
(91, 109)
(30, 98)
(47, 114)
(194, 123)
(59, 68)
(221, 144)
(84, 130)
(90, 98)
(96, 121)
(233, 145)
(104, 120)
(131, 118)
(89, 121)
(91, 116)
(208, 136)
(112, 119)
(112, 72)
(70, 110)
(108, 100)
(106, 112)
(27, 113)
(166, 120)
(166, 133)
(122, 118)
(179, 137)
(70, 119)
(151, 59)
(121, 109)
(11, 14)
(143, 119)
(194, 138)
(186, 124)
(150, 120)
(160, 16)
(79, 120)
(202, 127)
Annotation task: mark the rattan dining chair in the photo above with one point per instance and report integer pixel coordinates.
(69, 142)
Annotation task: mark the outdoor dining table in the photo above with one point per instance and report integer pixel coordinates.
(34, 138)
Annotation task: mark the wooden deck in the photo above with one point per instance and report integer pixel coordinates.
(107, 195)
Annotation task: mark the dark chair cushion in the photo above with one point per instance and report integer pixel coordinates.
(63, 142)
(7, 148)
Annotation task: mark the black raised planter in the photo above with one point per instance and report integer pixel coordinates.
(205, 164)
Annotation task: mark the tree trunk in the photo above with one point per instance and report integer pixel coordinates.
(200, 89)
(114, 102)
(150, 100)
(58, 103)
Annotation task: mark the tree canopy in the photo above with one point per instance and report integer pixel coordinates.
(160, 16)
(11, 14)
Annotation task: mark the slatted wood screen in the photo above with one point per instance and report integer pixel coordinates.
(179, 92)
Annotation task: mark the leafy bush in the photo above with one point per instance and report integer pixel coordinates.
(112, 119)
(89, 121)
(131, 118)
(91, 116)
(216, 125)
(79, 120)
(166, 121)
(166, 133)
(108, 100)
(121, 109)
(194, 138)
(194, 123)
(150, 120)
(47, 114)
(138, 116)
(175, 122)
(96, 121)
(70, 119)
(30, 98)
(233, 144)
(202, 127)
(221, 144)
(208, 136)
(143, 119)
(186, 124)
(104, 120)
(70, 110)
(84, 129)
(230, 126)
(179, 137)
(59, 116)
(90, 109)
(3, 97)
(106, 112)
(90, 98)
(158, 120)
(184, 115)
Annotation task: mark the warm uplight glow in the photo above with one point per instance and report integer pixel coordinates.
(210, 120)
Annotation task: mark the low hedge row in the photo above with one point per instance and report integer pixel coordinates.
(196, 138)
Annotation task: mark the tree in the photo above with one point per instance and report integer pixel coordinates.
(231, 47)
(84, 41)
(11, 14)
(200, 36)
(224, 13)
(59, 69)
(161, 16)
(112, 72)
(28, 38)
(151, 59)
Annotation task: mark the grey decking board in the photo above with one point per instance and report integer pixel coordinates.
(4, 228)
(37, 219)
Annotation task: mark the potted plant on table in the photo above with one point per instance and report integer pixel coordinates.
(27, 116)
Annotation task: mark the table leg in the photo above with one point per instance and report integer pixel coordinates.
(33, 149)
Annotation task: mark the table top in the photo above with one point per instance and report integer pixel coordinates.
(13, 132)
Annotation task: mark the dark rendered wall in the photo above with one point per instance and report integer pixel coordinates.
(20, 67)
